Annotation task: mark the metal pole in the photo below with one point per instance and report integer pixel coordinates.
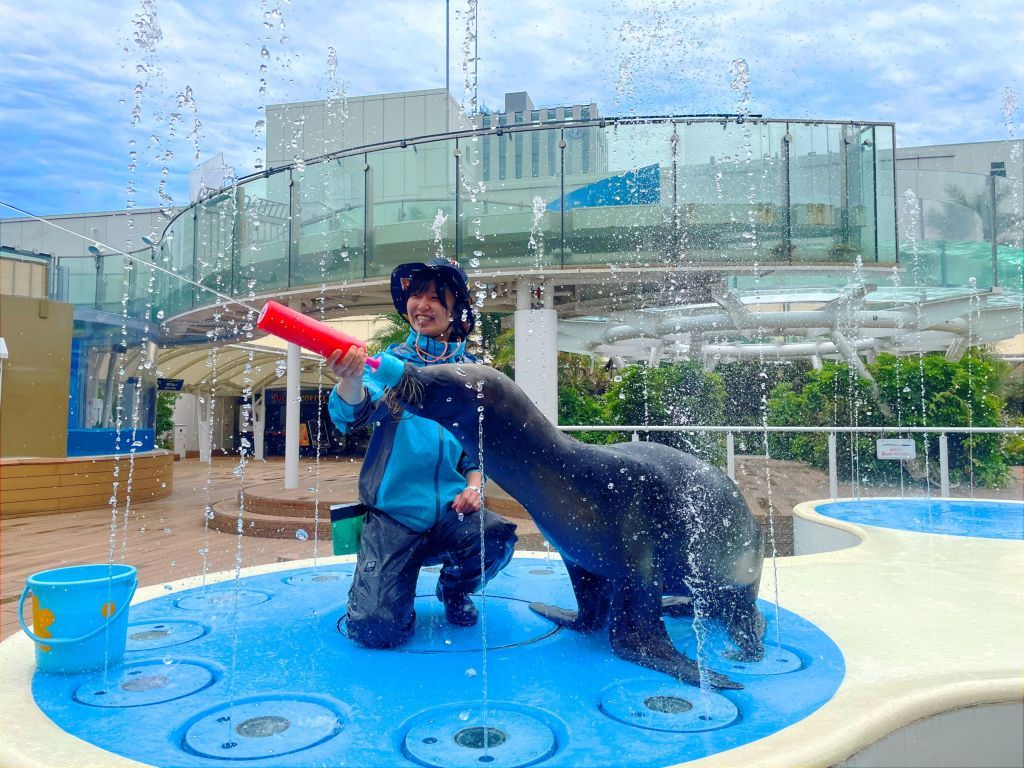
(833, 467)
(730, 456)
(447, 68)
(259, 425)
(992, 227)
(293, 394)
(944, 464)
(476, 58)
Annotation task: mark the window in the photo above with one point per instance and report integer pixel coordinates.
(997, 168)
(585, 112)
(486, 157)
(535, 116)
(518, 117)
(519, 155)
(535, 153)
(586, 150)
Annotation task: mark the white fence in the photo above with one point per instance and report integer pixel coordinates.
(833, 464)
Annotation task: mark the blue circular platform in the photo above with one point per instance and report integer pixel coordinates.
(961, 517)
(277, 683)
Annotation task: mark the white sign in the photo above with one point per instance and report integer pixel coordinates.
(895, 449)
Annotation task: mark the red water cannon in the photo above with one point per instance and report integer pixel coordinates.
(287, 324)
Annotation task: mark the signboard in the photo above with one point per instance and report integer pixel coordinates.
(888, 448)
(170, 385)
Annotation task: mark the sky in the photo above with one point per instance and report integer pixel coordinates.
(72, 73)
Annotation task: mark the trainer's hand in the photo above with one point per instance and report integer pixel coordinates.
(348, 367)
(468, 500)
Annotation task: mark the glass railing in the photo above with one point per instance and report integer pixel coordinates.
(683, 191)
(957, 226)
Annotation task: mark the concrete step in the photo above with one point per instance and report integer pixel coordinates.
(225, 520)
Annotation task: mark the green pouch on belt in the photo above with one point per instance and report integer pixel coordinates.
(347, 527)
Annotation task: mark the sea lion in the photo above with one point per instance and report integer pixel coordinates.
(634, 521)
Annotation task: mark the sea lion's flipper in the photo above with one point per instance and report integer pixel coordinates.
(563, 617)
(677, 606)
(638, 635)
(593, 596)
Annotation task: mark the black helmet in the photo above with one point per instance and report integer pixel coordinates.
(451, 275)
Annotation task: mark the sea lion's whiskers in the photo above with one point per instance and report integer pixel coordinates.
(407, 392)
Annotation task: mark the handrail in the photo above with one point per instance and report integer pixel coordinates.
(833, 462)
(601, 122)
(773, 428)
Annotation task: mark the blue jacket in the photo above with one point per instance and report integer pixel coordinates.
(414, 468)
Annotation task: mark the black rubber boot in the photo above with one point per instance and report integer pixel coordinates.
(458, 608)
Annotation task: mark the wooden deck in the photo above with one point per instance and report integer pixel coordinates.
(164, 538)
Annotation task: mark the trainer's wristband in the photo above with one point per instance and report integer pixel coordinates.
(474, 488)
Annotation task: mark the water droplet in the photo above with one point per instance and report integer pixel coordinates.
(464, 715)
(168, 660)
(611, 485)
(301, 534)
(471, 672)
(167, 530)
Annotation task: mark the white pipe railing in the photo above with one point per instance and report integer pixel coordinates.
(833, 464)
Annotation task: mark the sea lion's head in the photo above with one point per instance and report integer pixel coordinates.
(454, 395)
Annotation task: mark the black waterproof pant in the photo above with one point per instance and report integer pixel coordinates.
(380, 602)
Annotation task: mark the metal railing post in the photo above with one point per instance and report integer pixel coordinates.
(730, 456)
(944, 464)
(833, 467)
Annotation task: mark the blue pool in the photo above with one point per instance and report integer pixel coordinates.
(960, 517)
(257, 672)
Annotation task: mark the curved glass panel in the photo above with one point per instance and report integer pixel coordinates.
(330, 216)
(262, 234)
(617, 201)
(510, 220)
(667, 191)
(410, 209)
(949, 220)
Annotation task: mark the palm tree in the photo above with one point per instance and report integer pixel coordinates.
(393, 331)
(979, 203)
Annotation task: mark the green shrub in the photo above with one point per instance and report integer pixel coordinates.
(955, 394)
(672, 394)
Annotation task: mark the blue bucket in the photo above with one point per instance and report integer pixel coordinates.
(79, 615)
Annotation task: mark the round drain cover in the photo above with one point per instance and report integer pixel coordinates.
(549, 569)
(161, 634)
(462, 736)
(261, 728)
(777, 660)
(221, 599)
(142, 683)
(667, 706)
(322, 576)
(510, 623)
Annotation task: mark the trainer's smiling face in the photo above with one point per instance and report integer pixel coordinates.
(428, 312)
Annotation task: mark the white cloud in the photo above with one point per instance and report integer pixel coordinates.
(937, 69)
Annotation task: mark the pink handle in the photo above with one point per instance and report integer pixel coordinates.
(287, 324)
